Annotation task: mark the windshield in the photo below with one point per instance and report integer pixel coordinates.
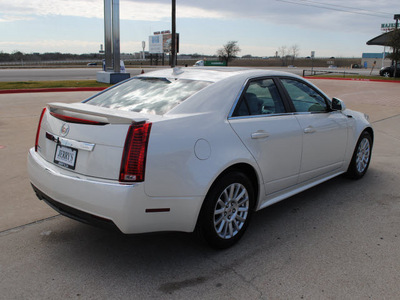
(149, 95)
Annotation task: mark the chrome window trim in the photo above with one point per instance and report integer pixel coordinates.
(311, 112)
(262, 116)
(280, 115)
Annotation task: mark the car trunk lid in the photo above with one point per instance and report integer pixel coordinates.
(86, 139)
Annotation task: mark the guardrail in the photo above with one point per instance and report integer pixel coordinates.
(325, 72)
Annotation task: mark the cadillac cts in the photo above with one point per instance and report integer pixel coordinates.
(193, 149)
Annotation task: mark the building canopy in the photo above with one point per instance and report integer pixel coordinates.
(380, 40)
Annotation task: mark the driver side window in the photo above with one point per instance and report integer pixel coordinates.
(304, 98)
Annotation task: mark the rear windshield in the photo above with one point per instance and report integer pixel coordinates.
(149, 95)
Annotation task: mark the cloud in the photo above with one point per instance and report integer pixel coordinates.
(129, 10)
(73, 46)
(310, 14)
(260, 26)
(13, 18)
(300, 13)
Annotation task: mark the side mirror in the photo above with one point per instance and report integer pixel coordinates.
(338, 104)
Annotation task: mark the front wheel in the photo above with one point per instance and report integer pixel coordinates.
(361, 157)
(227, 210)
(386, 74)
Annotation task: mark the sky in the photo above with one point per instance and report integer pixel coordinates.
(338, 28)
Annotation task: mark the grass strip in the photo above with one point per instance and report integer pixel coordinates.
(360, 77)
(50, 84)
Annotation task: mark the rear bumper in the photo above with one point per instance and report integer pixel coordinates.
(74, 213)
(95, 201)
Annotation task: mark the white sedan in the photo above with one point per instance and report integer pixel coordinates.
(194, 149)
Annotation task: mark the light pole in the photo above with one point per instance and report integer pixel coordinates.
(108, 40)
(173, 39)
(112, 71)
(312, 61)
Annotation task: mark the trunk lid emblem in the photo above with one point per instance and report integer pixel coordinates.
(64, 129)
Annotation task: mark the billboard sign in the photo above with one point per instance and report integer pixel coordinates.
(160, 42)
(156, 44)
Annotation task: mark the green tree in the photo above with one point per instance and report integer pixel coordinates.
(228, 51)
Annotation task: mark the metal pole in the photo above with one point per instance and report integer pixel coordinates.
(173, 40)
(107, 34)
(312, 66)
(396, 50)
(115, 34)
(383, 56)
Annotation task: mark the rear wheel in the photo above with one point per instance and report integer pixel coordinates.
(227, 210)
(361, 157)
(386, 74)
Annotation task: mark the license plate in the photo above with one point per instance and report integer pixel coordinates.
(65, 157)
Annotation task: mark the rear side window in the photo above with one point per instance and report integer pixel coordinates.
(304, 97)
(261, 97)
(149, 95)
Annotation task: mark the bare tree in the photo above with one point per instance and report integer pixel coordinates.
(294, 51)
(283, 53)
(228, 51)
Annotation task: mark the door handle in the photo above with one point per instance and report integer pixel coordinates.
(309, 129)
(259, 134)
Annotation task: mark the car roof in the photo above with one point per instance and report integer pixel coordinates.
(227, 81)
(213, 74)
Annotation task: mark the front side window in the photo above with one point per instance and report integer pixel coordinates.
(149, 95)
(304, 97)
(261, 97)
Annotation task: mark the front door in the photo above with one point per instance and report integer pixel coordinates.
(324, 131)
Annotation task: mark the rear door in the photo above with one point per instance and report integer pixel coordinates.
(273, 136)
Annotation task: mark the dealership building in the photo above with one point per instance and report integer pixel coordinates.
(380, 60)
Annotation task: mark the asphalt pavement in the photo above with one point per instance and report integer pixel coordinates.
(339, 240)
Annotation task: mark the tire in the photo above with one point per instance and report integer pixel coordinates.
(361, 157)
(386, 74)
(227, 210)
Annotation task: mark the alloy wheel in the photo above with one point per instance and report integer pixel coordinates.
(363, 155)
(231, 211)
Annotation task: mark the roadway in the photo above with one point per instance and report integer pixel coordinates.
(89, 73)
(339, 240)
(54, 74)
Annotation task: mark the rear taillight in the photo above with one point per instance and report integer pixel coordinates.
(133, 162)
(38, 129)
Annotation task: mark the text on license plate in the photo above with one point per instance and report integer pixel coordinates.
(66, 157)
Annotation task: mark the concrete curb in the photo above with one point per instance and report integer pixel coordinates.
(353, 79)
(53, 90)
